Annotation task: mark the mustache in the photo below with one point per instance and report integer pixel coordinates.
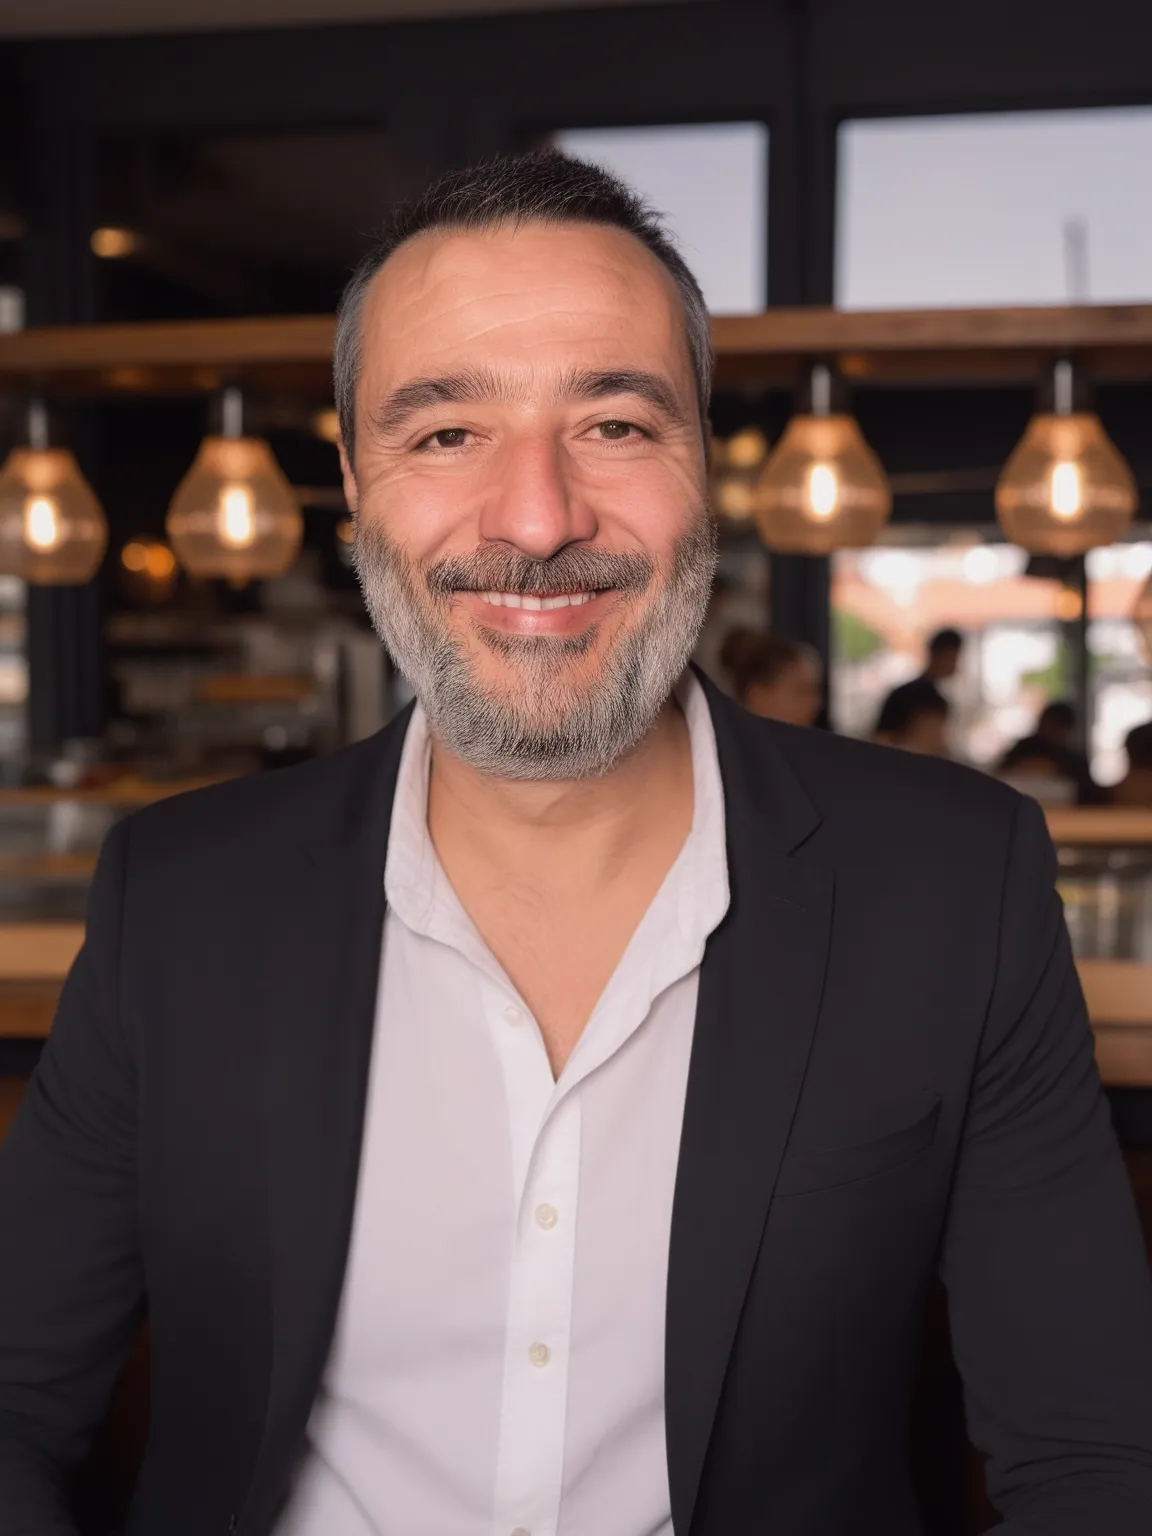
(573, 569)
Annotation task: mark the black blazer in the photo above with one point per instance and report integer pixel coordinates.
(891, 1073)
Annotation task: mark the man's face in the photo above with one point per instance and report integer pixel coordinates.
(529, 482)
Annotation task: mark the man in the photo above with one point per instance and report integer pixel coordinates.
(510, 1123)
(918, 720)
(1050, 753)
(945, 648)
(774, 677)
(1135, 788)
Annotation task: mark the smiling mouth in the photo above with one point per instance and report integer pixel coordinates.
(537, 602)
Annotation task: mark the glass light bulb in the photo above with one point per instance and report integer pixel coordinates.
(42, 523)
(234, 515)
(1066, 488)
(52, 530)
(237, 517)
(823, 491)
(822, 488)
(1066, 493)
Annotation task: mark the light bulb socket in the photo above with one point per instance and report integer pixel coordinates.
(39, 435)
(822, 391)
(230, 406)
(1065, 389)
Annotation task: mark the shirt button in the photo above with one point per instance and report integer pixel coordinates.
(539, 1354)
(513, 1014)
(547, 1216)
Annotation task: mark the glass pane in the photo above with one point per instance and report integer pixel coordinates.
(887, 602)
(1121, 683)
(995, 208)
(711, 181)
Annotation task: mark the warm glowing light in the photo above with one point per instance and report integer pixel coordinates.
(747, 449)
(1069, 605)
(1066, 488)
(326, 424)
(1067, 495)
(52, 531)
(234, 515)
(159, 562)
(112, 243)
(42, 524)
(823, 491)
(346, 530)
(149, 558)
(237, 517)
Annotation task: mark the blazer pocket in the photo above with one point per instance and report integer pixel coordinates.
(809, 1171)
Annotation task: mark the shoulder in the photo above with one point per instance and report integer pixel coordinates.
(303, 803)
(879, 798)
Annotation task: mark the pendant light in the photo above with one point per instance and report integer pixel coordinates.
(52, 530)
(822, 488)
(1066, 487)
(234, 514)
(1142, 618)
(735, 467)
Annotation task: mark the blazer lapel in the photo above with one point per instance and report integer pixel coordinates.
(321, 950)
(760, 988)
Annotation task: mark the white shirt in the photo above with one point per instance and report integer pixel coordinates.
(498, 1365)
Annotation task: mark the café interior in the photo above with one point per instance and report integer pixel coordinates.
(925, 238)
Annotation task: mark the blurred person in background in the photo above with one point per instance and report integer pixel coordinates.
(945, 649)
(1135, 788)
(1050, 754)
(918, 720)
(775, 678)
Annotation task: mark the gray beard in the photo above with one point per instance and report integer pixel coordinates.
(547, 726)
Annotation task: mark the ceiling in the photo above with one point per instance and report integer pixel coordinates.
(60, 18)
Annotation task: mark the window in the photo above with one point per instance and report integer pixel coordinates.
(1121, 684)
(711, 182)
(886, 603)
(995, 208)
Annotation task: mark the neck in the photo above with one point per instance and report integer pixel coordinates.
(591, 825)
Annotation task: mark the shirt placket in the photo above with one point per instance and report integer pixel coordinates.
(545, 1130)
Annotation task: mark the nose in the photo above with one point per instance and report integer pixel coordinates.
(535, 504)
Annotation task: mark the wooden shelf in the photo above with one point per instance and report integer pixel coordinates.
(127, 792)
(872, 347)
(38, 951)
(1100, 825)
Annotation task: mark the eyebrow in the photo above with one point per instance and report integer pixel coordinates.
(482, 384)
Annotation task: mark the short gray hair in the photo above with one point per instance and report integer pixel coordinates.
(544, 187)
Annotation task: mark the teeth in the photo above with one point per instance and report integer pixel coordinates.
(535, 604)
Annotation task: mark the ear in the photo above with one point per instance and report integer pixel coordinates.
(351, 493)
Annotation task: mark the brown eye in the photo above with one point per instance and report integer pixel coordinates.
(449, 437)
(615, 430)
